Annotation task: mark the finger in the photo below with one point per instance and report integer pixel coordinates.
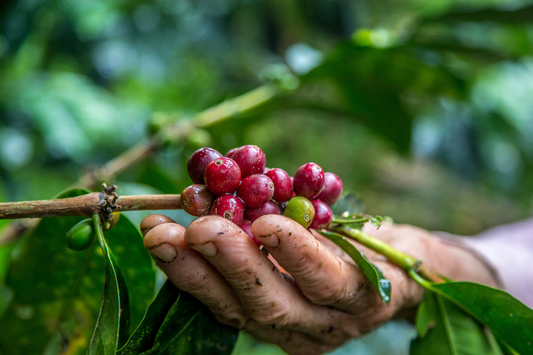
(269, 297)
(324, 278)
(190, 272)
(153, 220)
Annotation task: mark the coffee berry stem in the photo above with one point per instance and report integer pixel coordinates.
(419, 279)
(404, 261)
(349, 221)
(85, 205)
(98, 228)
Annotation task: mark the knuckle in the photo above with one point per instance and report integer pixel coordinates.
(231, 318)
(352, 327)
(275, 316)
(327, 294)
(353, 331)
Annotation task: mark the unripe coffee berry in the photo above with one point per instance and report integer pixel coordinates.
(301, 210)
(196, 200)
(222, 176)
(256, 190)
(250, 159)
(198, 161)
(81, 235)
(323, 215)
(308, 181)
(268, 208)
(332, 189)
(229, 207)
(112, 222)
(282, 184)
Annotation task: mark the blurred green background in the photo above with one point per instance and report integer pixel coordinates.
(423, 108)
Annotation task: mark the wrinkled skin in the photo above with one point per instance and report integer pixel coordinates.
(307, 297)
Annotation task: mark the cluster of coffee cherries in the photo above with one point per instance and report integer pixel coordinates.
(240, 188)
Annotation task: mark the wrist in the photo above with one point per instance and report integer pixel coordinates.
(467, 265)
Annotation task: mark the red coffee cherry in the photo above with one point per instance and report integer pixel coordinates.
(230, 152)
(282, 184)
(222, 176)
(251, 160)
(198, 161)
(229, 207)
(308, 181)
(246, 226)
(332, 190)
(256, 190)
(268, 208)
(323, 215)
(196, 200)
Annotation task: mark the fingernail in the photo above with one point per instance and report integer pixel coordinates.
(164, 252)
(270, 240)
(207, 249)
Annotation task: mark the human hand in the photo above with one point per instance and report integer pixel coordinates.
(307, 297)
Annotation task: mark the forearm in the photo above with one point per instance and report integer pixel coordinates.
(507, 251)
(437, 253)
(466, 265)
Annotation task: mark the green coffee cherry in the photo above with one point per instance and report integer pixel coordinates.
(301, 210)
(112, 222)
(81, 236)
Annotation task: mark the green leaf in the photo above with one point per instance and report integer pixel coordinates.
(72, 193)
(112, 327)
(375, 276)
(5, 259)
(177, 323)
(56, 292)
(426, 315)
(358, 220)
(183, 312)
(350, 203)
(191, 329)
(371, 83)
(509, 319)
(376, 221)
(126, 242)
(144, 336)
(454, 331)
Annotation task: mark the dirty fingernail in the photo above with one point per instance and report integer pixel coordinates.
(207, 249)
(270, 240)
(164, 252)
